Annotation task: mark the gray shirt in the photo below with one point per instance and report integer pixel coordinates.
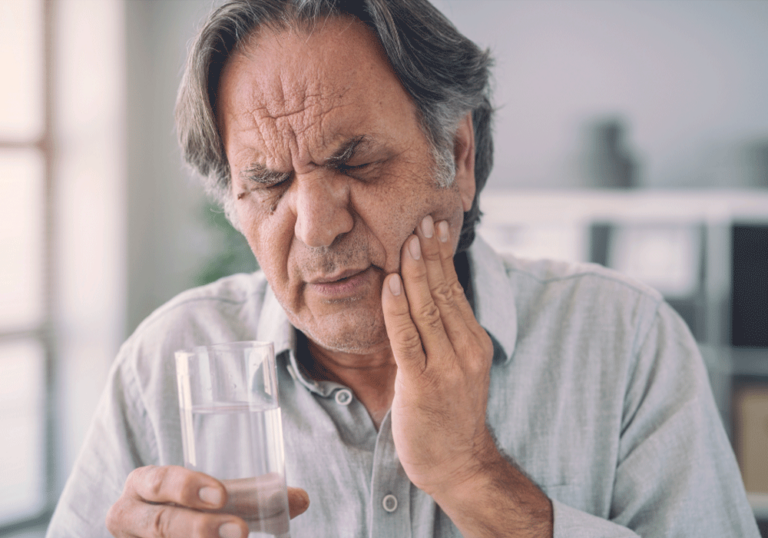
(597, 391)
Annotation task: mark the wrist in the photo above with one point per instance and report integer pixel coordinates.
(469, 475)
(496, 491)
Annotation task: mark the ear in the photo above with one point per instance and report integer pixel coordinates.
(464, 154)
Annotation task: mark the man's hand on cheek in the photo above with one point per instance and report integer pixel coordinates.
(444, 360)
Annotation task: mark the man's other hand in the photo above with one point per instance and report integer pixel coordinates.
(169, 501)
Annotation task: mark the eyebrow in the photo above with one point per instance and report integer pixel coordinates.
(346, 151)
(261, 174)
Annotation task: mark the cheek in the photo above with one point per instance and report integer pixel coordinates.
(269, 234)
(393, 219)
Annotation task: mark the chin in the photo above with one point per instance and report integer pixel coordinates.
(361, 338)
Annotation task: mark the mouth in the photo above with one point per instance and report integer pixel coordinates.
(338, 277)
(344, 285)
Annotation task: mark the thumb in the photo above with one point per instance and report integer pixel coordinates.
(298, 501)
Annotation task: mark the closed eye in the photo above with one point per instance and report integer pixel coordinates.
(258, 178)
(359, 171)
(267, 180)
(346, 167)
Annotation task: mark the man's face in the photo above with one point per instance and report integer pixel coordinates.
(331, 173)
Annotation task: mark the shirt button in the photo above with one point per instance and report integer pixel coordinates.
(343, 397)
(389, 503)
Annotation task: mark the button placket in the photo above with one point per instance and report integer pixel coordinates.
(390, 488)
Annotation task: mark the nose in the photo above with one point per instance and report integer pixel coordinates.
(322, 209)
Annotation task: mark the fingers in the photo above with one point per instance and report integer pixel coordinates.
(264, 497)
(131, 517)
(403, 335)
(298, 501)
(444, 288)
(421, 309)
(426, 298)
(174, 484)
(164, 501)
(449, 272)
(173, 501)
(433, 320)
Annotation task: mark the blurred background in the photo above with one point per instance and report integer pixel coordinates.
(632, 133)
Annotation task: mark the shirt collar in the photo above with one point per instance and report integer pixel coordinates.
(494, 298)
(494, 305)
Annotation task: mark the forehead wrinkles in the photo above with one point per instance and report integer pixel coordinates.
(289, 117)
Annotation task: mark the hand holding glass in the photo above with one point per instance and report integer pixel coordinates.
(231, 429)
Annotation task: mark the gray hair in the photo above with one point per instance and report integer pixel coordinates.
(445, 73)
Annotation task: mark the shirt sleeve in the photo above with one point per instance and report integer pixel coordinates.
(117, 442)
(676, 474)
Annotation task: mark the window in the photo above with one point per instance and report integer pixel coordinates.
(25, 246)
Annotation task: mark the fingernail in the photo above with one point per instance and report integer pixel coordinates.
(394, 285)
(428, 226)
(230, 530)
(210, 495)
(414, 248)
(442, 231)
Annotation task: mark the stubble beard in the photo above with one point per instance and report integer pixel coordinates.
(356, 328)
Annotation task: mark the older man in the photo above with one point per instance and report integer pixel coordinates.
(428, 388)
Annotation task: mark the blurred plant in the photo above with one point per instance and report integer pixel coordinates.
(229, 252)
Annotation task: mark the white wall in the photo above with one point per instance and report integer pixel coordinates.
(166, 239)
(689, 76)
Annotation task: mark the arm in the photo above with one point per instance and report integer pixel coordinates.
(676, 474)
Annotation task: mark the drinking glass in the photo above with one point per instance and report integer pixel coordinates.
(231, 429)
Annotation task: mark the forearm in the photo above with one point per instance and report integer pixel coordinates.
(497, 499)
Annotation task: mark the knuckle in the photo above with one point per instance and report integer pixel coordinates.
(442, 293)
(456, 288)
(201, 526)
(155, 479)
(429, 315)
(477, 368)
(161, 522)
(135, 476)
(453, 377)
(487, 345)
(186, 487)
(479, 356)
(114, 517)
(409, 340)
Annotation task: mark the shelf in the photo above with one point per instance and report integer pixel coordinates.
(736, 361)
(583, 206)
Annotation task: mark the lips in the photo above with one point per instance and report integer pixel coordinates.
(337, 277)
(344, 285)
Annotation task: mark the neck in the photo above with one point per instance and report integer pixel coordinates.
(370, 376)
